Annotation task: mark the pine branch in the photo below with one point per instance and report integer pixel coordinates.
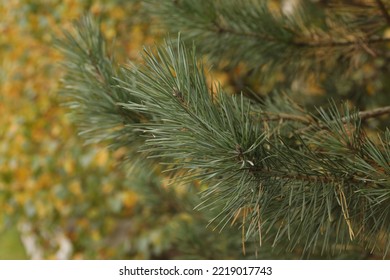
(235, 164)
(307, 190)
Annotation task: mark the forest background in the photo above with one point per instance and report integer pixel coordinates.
(48, 179)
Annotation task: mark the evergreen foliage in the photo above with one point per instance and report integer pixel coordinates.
(311, 180)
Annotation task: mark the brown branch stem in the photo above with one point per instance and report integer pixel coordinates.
(268, 116)
(363, 115)
(374, 113)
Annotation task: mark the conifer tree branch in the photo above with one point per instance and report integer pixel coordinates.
(299, 186)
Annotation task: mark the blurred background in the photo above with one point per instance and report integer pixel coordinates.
(58, 198)
(61, 199)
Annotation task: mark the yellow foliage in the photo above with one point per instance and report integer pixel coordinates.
(117, 12)
(185, 217)
(22, 174)
(41, 208)
(129, 199)
(44, 181)
(20, 198)
(101, 158)
(69, 165)
(107, 188)
(75, 188)
(95, 235)
(387, 33)
(109, 31)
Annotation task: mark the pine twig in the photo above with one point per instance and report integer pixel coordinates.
(283, 116)
(373, 113)
(363, 115)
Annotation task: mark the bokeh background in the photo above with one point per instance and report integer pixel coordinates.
(58, 197)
